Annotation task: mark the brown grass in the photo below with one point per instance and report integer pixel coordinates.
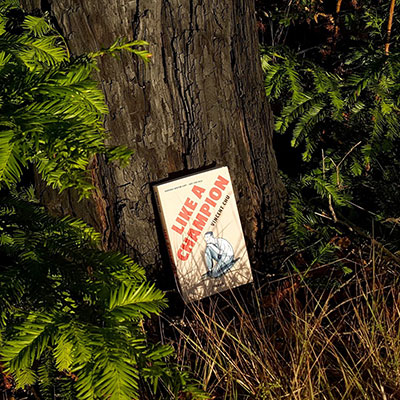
(334, 336)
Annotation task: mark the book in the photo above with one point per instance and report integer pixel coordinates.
(203, 233)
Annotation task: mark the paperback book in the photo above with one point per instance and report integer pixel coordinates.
(203, 233)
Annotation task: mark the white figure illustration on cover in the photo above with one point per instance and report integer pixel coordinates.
(219, 256)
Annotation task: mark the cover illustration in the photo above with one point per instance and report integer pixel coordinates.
(203, 232)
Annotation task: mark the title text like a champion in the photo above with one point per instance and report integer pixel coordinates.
(200, 219)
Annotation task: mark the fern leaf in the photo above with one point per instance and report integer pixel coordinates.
(42, 50)
(36, 25)
(63, 353)
(28, 345)
(45, 375)
(85, 385)
(10, 170)
(118, 379)
(23, 377)
(4, 59)
(132, 301)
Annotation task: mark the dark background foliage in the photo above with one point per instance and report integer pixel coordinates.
(332, 76)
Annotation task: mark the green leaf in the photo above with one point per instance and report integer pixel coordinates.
(10, 161)
(347, 270)
(63, 352)
(36, 25)
(133, 301)
(33, 336)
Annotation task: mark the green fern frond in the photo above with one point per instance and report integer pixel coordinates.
(122, 44)
(299, 223)
(306, 123)
(36, 25)
(118, 379)
(24, 377)
(63, 352)
(4, 59)
(97, 300)
(132, 301)
(46, 374)
(85, 386)
(10, 162)
(84, 232)
(56, 107)
(65, 388)
(42, 50)
(28, 344)
(325, 189)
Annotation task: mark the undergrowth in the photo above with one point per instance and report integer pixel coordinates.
(320, 335)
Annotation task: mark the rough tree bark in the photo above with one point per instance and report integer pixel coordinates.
(200, 103)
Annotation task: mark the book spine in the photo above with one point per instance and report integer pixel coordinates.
(165, 231)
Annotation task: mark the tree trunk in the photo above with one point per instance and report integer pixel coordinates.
(199, 103)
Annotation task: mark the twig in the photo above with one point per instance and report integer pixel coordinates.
(279, 35)
(330, 203)
(379, 245)
(337, 166)
(33, 391)
(357, 230)
(363, 209)
(338, 6)
(345, 156)
(389, 27)
(305, 50)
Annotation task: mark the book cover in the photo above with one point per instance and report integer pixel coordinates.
(203, 233)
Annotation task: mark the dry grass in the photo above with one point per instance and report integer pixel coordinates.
(339, 339)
